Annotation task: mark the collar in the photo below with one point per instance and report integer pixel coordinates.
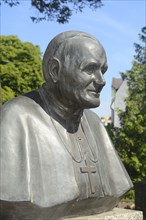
(67, 116)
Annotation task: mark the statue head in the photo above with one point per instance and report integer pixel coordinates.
(74, 64)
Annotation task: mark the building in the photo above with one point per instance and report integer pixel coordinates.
(119, 93)
(106, 120)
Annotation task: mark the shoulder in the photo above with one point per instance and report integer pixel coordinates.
(93, 120)
(18, 106)
(20, 101)
(92, 116)
(24, 112)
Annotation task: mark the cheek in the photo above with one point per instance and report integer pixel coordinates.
(67, 86)
(86, 80)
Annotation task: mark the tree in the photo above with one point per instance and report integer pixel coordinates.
(20, 64)
(130, 139)
(141, 49)
(57, 10)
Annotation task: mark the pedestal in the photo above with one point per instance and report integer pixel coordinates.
(115, 214)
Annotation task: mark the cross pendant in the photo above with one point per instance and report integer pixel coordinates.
(89, 170)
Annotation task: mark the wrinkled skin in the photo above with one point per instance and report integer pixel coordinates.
(81, 77)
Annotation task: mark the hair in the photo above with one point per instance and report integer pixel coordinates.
(57, 48)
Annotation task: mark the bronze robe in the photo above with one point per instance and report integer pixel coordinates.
(41, 170)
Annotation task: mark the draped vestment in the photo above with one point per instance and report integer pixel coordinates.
(41, 163)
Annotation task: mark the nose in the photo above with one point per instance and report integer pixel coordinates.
(99, 82)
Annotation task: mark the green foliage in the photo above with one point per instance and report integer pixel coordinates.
(7, 93)
(20, 65)
(130, 139)
(132, 135)
(141, 49)
(57, 10)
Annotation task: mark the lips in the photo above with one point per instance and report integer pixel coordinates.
(94, 92)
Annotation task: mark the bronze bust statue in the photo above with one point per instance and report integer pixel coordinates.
(56, 157)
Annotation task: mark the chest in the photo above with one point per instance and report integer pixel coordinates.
(67, 165)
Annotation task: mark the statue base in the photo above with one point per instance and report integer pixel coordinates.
(115, 214)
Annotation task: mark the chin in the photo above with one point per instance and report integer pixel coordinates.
(95, 105)
(91, 104)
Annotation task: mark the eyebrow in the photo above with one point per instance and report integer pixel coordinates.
(89, 62)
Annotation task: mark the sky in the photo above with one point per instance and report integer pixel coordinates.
(116, 25)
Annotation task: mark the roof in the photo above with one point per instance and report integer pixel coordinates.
(116, 83)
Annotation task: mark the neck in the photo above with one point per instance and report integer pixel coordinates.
(68, 116)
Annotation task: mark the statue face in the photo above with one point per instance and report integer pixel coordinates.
(81, 77)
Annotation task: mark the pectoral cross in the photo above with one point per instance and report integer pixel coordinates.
(89, 170)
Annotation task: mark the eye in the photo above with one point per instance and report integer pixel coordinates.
(104, 69)
(90, 68)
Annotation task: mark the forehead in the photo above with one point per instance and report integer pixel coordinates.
(87, 49)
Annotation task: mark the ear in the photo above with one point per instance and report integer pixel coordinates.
(54, 69)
